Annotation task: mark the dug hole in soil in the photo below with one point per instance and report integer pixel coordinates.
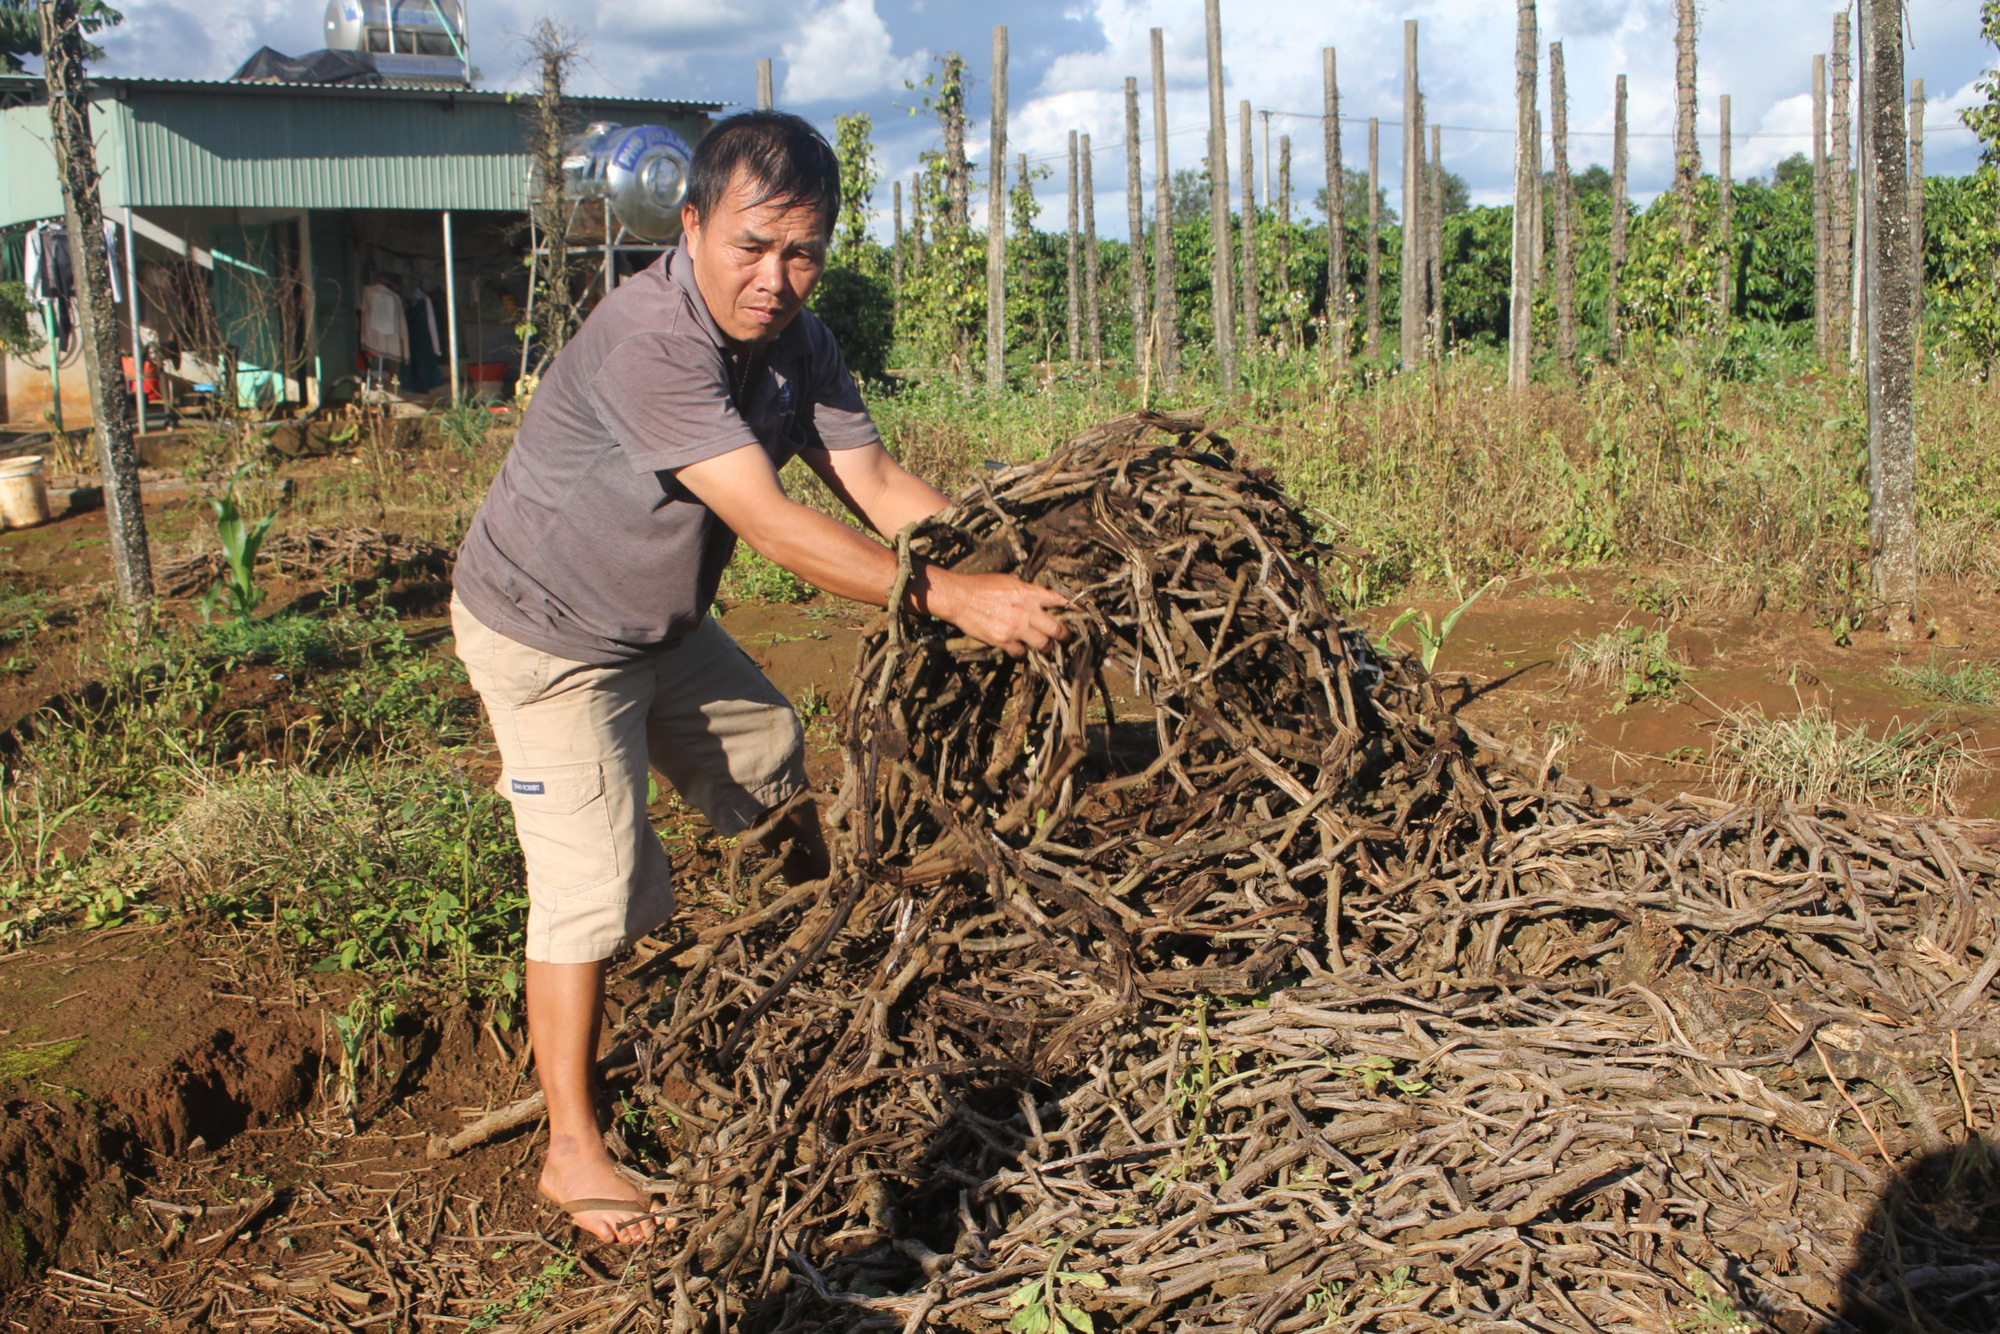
(120, 1054)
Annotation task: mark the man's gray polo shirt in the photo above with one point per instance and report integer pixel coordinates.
(587, 547)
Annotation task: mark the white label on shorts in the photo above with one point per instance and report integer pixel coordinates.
(525, 788)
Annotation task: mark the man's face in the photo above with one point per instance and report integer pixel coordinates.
(754, 265)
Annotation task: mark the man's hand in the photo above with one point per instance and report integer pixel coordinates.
(995, 609)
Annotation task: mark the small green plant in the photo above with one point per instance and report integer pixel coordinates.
(1969, 683)
(1042, 1305)
(241, 542)
(1431, 636)
(1634, 662)
(1398, 1286)
(1375, 1071)
(533, 1296)
(22, 616)
(1713, 1312)
(1193, 1097)
(1332, 1298)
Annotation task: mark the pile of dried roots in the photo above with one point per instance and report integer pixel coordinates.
(1204, 974)
(346, 551)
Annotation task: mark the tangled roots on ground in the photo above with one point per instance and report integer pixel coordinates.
(1203, 973)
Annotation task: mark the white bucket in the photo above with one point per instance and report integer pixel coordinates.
(24, 493)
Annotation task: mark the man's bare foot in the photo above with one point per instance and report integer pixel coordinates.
(583, 1174)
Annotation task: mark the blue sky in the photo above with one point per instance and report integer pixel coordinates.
(1069, 60)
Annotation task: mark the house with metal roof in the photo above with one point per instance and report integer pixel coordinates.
(260, 221)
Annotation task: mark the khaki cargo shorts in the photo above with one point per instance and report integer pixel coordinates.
(576, 743)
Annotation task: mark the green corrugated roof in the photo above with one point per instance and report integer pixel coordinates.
(171, 143)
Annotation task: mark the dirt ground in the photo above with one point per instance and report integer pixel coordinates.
(170, 1151)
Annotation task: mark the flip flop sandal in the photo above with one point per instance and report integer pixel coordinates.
(636, 1210)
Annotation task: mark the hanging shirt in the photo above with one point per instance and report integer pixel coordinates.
(384, 330)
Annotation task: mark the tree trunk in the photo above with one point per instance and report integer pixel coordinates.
(996, 220)
(83, 216)
(917, 219)
(1252, 325)
(1726, 290)
(1863, 220)
(1166, 294)
(1220, 262)
(1093, 314)
(1411, 318)
(1073, 323)
(1339, 302)
(1565, 236)
(1135, 222)
(764, 102)
(1434, 238)
(1687, 149)
(1891, 310)
(1373, 292)
(1614, 331)
(1840, 202)
(1540, 231)
(1822, 219)
(1527, 182)
(1917, 211)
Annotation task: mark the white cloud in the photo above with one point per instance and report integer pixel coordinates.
(843, 50)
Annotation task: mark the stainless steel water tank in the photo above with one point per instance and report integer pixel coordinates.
(640, 169)
(405, 39)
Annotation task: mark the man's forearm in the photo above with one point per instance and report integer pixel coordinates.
(837, 559)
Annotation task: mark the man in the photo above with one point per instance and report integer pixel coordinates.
(583, 587)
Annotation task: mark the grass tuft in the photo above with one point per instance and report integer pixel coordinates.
(1972, 683)
(1635, 663)
(1809, 758)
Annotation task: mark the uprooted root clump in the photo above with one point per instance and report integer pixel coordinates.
(1205, 956)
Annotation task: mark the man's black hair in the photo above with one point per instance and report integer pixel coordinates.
(787, 161)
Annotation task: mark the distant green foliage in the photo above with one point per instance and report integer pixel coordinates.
(21, 29)
(1984, 120)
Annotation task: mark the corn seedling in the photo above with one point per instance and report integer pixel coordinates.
(1431, 636)
(1042, 1305)
(241, 542)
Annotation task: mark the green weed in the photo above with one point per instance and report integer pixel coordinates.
(461, 426)
(1044, 1305)
(1635, 663)
(752, 577)
(533, 1296)
(1972, 683)
(1713, 1313)
(401, 869)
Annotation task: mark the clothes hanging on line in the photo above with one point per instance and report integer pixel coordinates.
(385, 329)
(422, 372)
(50, 273)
